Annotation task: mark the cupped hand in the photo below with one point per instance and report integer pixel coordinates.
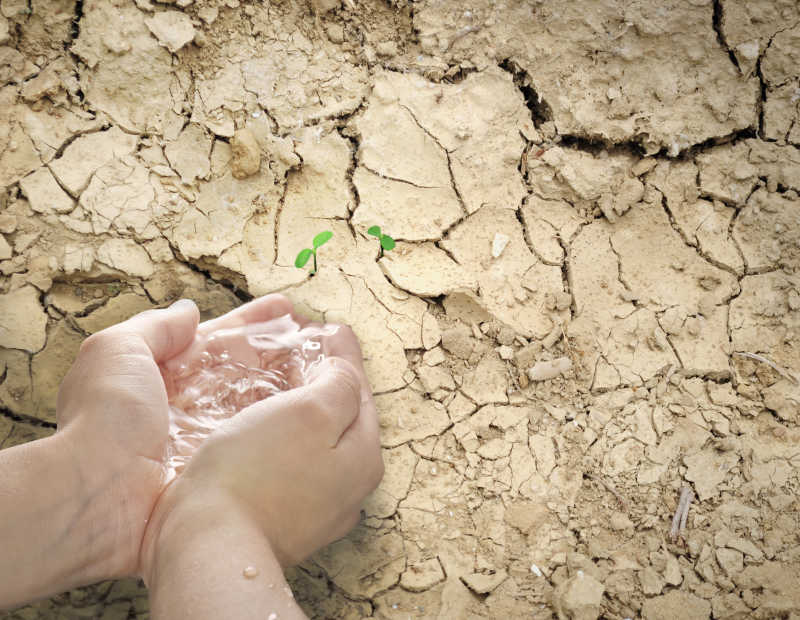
(297, 465)
(113, 416)
(113, 413)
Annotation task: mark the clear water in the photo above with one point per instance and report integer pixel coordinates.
(225, 371)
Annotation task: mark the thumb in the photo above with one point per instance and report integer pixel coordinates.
(334, 383)
(168, 331)
(326, 405)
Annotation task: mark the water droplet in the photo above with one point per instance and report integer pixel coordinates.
(250, 572)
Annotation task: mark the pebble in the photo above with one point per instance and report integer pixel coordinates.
(250, 572)
(499, 244)
(542, 371)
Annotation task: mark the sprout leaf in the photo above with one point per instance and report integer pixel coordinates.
(302, 257)
(322, 238)
(387, 243)
(375, 231)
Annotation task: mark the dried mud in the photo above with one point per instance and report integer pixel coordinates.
(609, 182)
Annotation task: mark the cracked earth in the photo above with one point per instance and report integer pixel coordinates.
(594, 300)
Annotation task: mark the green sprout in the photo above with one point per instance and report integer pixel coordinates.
(387, 243)
(306, 253)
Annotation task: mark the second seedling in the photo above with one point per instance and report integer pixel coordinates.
(387, 243)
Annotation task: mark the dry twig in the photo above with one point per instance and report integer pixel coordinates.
(760, 358)
(681, 513)
(610, 489)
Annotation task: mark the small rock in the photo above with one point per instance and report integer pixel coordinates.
(208, 14)
(748, 50)
(435, 377)
(487, 382)
(335, 33)
(8, 223)
(434, 357)
(542, 371)
(506, 335)
(245, 154)
(505, 352)
(5, 249)
(651, 581)
(3, 30)
(386, 49)
(730, 560)
(579, 598)
(173, 29)
(746, 547)
(458, 341)
(422, 576)
(482, 583)
(553, 337)
(672, 572)
(676, 604)
(619, 521)
(495, 449)
(499, 244)
(431, 333)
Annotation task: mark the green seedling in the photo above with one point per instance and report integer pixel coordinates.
(387, 243)
(306, 253)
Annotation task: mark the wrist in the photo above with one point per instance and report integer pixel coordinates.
(92, 487)
(183, 516)
(205, 557)
(56, 534)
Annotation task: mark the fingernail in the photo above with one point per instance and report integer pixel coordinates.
(182, 304)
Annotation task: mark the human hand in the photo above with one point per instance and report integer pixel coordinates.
(112, 416)
(296, 465)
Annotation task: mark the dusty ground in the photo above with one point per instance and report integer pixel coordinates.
(639, 159)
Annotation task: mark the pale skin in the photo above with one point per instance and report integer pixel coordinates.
(283, 478)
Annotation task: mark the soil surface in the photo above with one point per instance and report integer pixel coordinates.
(593, 303)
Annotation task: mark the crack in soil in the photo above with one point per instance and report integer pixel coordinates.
(717, 22)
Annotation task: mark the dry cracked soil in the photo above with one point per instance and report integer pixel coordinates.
(594, 300)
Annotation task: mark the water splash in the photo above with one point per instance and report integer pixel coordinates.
(225, 371)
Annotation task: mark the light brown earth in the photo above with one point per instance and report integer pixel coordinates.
(615, 183)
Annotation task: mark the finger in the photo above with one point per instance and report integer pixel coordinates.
(359, 445)
(259, 310)
(359, 450)
(166, 332)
